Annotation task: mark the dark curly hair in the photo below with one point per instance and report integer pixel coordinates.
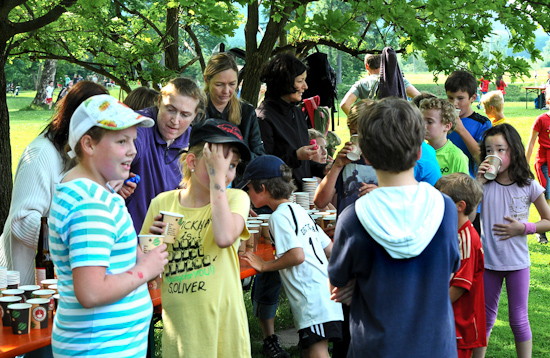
(518, 171)
(279, 74)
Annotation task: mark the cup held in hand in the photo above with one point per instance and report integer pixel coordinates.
(149, 242)
(355, 153)
(494, 166)
(172, 228)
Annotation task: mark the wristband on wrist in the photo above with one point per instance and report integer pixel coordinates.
(530, 228)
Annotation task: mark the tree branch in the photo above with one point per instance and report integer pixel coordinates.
(198, 48)
(49, 17)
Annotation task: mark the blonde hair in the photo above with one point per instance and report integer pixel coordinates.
(493, 98)
(220, 62)
(314, 134)
(196, 150)
(448, 111)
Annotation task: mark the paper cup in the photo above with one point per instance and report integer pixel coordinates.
(56, 302)
(355, 153)
(50, 281)
(149, 242)
(46, 294)
(14, 292)
(252, 242)
(264, 230)
(4, 303)
(20, 314)
(494, 166)
(29, 290)
(39, 312)
(173, 228)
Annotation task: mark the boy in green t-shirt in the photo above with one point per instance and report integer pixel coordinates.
(440, 117)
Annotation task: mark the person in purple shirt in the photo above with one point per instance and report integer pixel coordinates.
(159, 147)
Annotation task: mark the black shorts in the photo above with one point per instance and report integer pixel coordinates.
(331, 331)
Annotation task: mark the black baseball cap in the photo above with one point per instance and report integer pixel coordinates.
(219, 131)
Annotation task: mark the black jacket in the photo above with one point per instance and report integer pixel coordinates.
(284, 129)
(249, 126)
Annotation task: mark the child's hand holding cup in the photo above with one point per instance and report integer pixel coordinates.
(355, 153)
(494, 163)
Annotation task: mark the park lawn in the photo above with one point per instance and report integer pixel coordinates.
(25, 125)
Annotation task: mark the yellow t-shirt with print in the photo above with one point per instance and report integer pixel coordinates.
(203, 309)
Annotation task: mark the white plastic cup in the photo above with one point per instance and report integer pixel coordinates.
(355, 153)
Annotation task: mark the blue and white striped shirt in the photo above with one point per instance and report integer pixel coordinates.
(89, 226)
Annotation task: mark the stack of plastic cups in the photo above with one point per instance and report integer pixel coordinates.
(13, 279)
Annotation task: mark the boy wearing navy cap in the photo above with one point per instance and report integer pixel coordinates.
(302, 251)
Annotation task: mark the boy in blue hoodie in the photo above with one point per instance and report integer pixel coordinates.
(399, 245)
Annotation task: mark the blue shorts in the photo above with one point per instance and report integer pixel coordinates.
(265, 294)
(544, 170)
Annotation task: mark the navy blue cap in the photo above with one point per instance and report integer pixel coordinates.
(219, 131)
(263, 167)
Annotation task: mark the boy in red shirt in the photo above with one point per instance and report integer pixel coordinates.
(466, 286)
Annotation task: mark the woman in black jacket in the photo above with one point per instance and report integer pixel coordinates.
(283, 124)
(221, 80)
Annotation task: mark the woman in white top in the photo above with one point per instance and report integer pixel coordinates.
(40, 168)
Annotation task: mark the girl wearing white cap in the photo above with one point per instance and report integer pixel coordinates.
(104, 307)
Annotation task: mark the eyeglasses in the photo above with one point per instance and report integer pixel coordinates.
(170, 160)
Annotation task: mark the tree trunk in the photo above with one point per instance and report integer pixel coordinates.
(172, 30)
(48, 74)
(258, 56)
(6, 181)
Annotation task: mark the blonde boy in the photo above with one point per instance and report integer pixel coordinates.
(493, 102)
(440, 118)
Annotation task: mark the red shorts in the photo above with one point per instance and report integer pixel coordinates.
(48, 100)
(465, 353)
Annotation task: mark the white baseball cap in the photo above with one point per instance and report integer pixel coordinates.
(106, 112)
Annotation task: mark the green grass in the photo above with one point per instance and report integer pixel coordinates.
(25, 125)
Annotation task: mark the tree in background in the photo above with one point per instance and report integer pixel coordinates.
(48, 74)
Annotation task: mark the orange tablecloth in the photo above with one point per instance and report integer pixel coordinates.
(12, 345)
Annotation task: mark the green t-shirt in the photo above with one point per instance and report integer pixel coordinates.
(451, 159)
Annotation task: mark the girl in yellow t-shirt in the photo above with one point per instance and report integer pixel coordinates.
(202, 303)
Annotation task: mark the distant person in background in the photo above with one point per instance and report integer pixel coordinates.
(501, 85)
(366, 87)
(141, 97)
(483, 88)
(493, 103)
(40, 168)
(49, 94)
(547, 91)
